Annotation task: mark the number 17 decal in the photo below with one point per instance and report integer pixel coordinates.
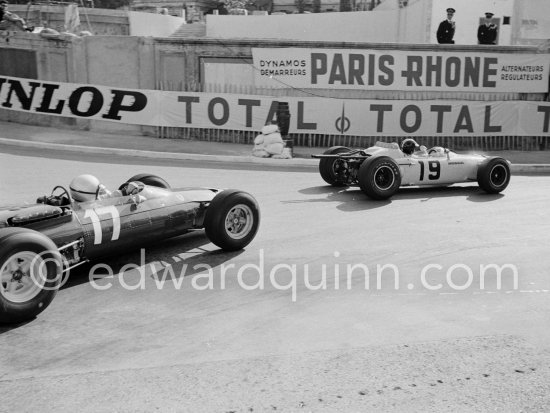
(94, 214)
(435, 170)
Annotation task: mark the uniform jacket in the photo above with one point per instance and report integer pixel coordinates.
(487, 34)
(446, 32)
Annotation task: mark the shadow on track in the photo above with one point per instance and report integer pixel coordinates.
(352, 199)
(472, 193)
(4, 328)
(188, 250)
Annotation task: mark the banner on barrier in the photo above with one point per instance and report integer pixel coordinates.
(401, 70)
(251, 112)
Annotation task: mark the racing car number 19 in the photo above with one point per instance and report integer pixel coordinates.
(382, 169)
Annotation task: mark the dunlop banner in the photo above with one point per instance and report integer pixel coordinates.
(251, 112)
(401, 70)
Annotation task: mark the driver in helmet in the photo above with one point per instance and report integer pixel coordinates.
(410, 147)
(87, 187)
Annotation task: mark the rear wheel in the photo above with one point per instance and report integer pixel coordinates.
(493, 175)
(148, 179)
(30, 274)
(379, 177)
(331, 169)
(232, 219)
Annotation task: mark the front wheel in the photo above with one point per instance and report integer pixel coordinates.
(333, 170)
(493, 175)
(30, 274)
(379, 177)
(232, 219)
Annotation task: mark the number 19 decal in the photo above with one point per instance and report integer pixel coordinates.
(434, 168)
(94, 214)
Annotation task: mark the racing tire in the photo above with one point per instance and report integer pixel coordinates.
(232, 219)
(493, 175)
(327, 166)
(379, 177)
(30, 274)
(148, 179)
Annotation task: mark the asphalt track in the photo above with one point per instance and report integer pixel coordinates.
(438, 343)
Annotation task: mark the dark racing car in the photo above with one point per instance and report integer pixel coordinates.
(41, 241)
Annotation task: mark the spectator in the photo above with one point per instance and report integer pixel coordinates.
(487, 32)
(446, 30)
(8, 18)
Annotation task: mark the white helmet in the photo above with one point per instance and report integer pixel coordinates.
(84, 188)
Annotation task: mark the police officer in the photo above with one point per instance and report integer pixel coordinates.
(446, 29)
(487, 32)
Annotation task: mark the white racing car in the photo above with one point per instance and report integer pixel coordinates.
(381, 169)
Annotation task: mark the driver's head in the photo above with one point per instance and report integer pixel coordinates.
(84, 188)
(408, 146)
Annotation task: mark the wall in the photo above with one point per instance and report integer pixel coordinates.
(121, 61)
(360, 26)
(533, 21)
(55, 61)
(415, 22)
(193, 64)
(150, 24)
